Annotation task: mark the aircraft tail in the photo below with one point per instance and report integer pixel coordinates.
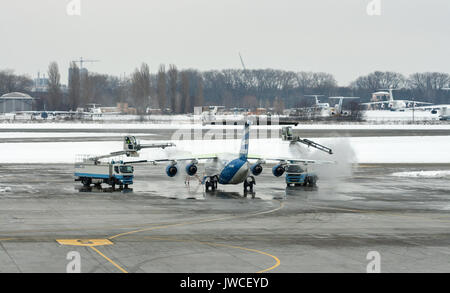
(243, 153)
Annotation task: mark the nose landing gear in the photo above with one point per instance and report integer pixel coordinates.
(211, 183)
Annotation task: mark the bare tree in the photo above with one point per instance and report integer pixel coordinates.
(199, 98)
(173, 80)
(54, 86)
(379, 80)
(74, 86)
(178, 103)
(161, 90)
(185, 92)
(429, 85)
(10, 82)
(140, 87)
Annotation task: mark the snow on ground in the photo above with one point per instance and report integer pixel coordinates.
(353, 150)
(424, 174)
(139, 126)
(410, 149)
(407, 115)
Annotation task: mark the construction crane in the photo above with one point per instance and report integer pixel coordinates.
(242, 61)
(81, 61)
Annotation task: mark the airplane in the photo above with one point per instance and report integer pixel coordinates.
(338, 110)
(238, 170)
(393, 105)
(318, 104)
(443, 111)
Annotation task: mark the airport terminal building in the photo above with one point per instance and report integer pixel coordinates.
(15, 102)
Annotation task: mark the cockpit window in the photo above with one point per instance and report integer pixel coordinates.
(126, 169)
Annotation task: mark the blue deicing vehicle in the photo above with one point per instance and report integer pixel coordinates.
(297, 176)
(91, 170)
(114, 173)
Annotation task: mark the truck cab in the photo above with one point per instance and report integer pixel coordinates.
(123, 173)
(95, 172)
(297, 175)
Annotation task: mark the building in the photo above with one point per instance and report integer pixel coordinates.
(40, 84)
(124, 109)
(16, 102)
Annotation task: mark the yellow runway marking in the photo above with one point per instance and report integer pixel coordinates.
(91, 243)
(277, 261)
(368, 166)
(84, 242)
(100, 242)
(108, 259)
(6, 239)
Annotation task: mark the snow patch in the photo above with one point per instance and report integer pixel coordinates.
(439, 174)
(346, 151)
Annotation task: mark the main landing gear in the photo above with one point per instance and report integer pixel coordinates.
(248, 184)
(211, 183)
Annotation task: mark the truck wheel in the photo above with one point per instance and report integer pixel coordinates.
(311, 181)
(86, 182)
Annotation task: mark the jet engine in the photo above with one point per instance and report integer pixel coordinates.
(171, 170)
(191, 169)
(256, 169)
(278, 170)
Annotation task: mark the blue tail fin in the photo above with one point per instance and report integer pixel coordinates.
(243, 153)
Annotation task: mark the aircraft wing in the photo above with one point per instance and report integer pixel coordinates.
(415, 102)
(432, 107)
(197, 158)
(375, 103)
(290, 160)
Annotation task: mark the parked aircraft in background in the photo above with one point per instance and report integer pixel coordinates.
(390, 103)
(338, 108)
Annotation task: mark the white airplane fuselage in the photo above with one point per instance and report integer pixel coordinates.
(235, 172)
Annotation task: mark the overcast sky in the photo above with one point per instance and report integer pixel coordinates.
(335, 36)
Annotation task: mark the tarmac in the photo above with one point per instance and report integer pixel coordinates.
(165, 225)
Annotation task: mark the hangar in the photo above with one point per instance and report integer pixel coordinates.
(15, 102)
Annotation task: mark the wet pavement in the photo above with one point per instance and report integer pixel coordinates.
(166, 226)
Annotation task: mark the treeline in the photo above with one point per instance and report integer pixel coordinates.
(179, 91)
(10, 82)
